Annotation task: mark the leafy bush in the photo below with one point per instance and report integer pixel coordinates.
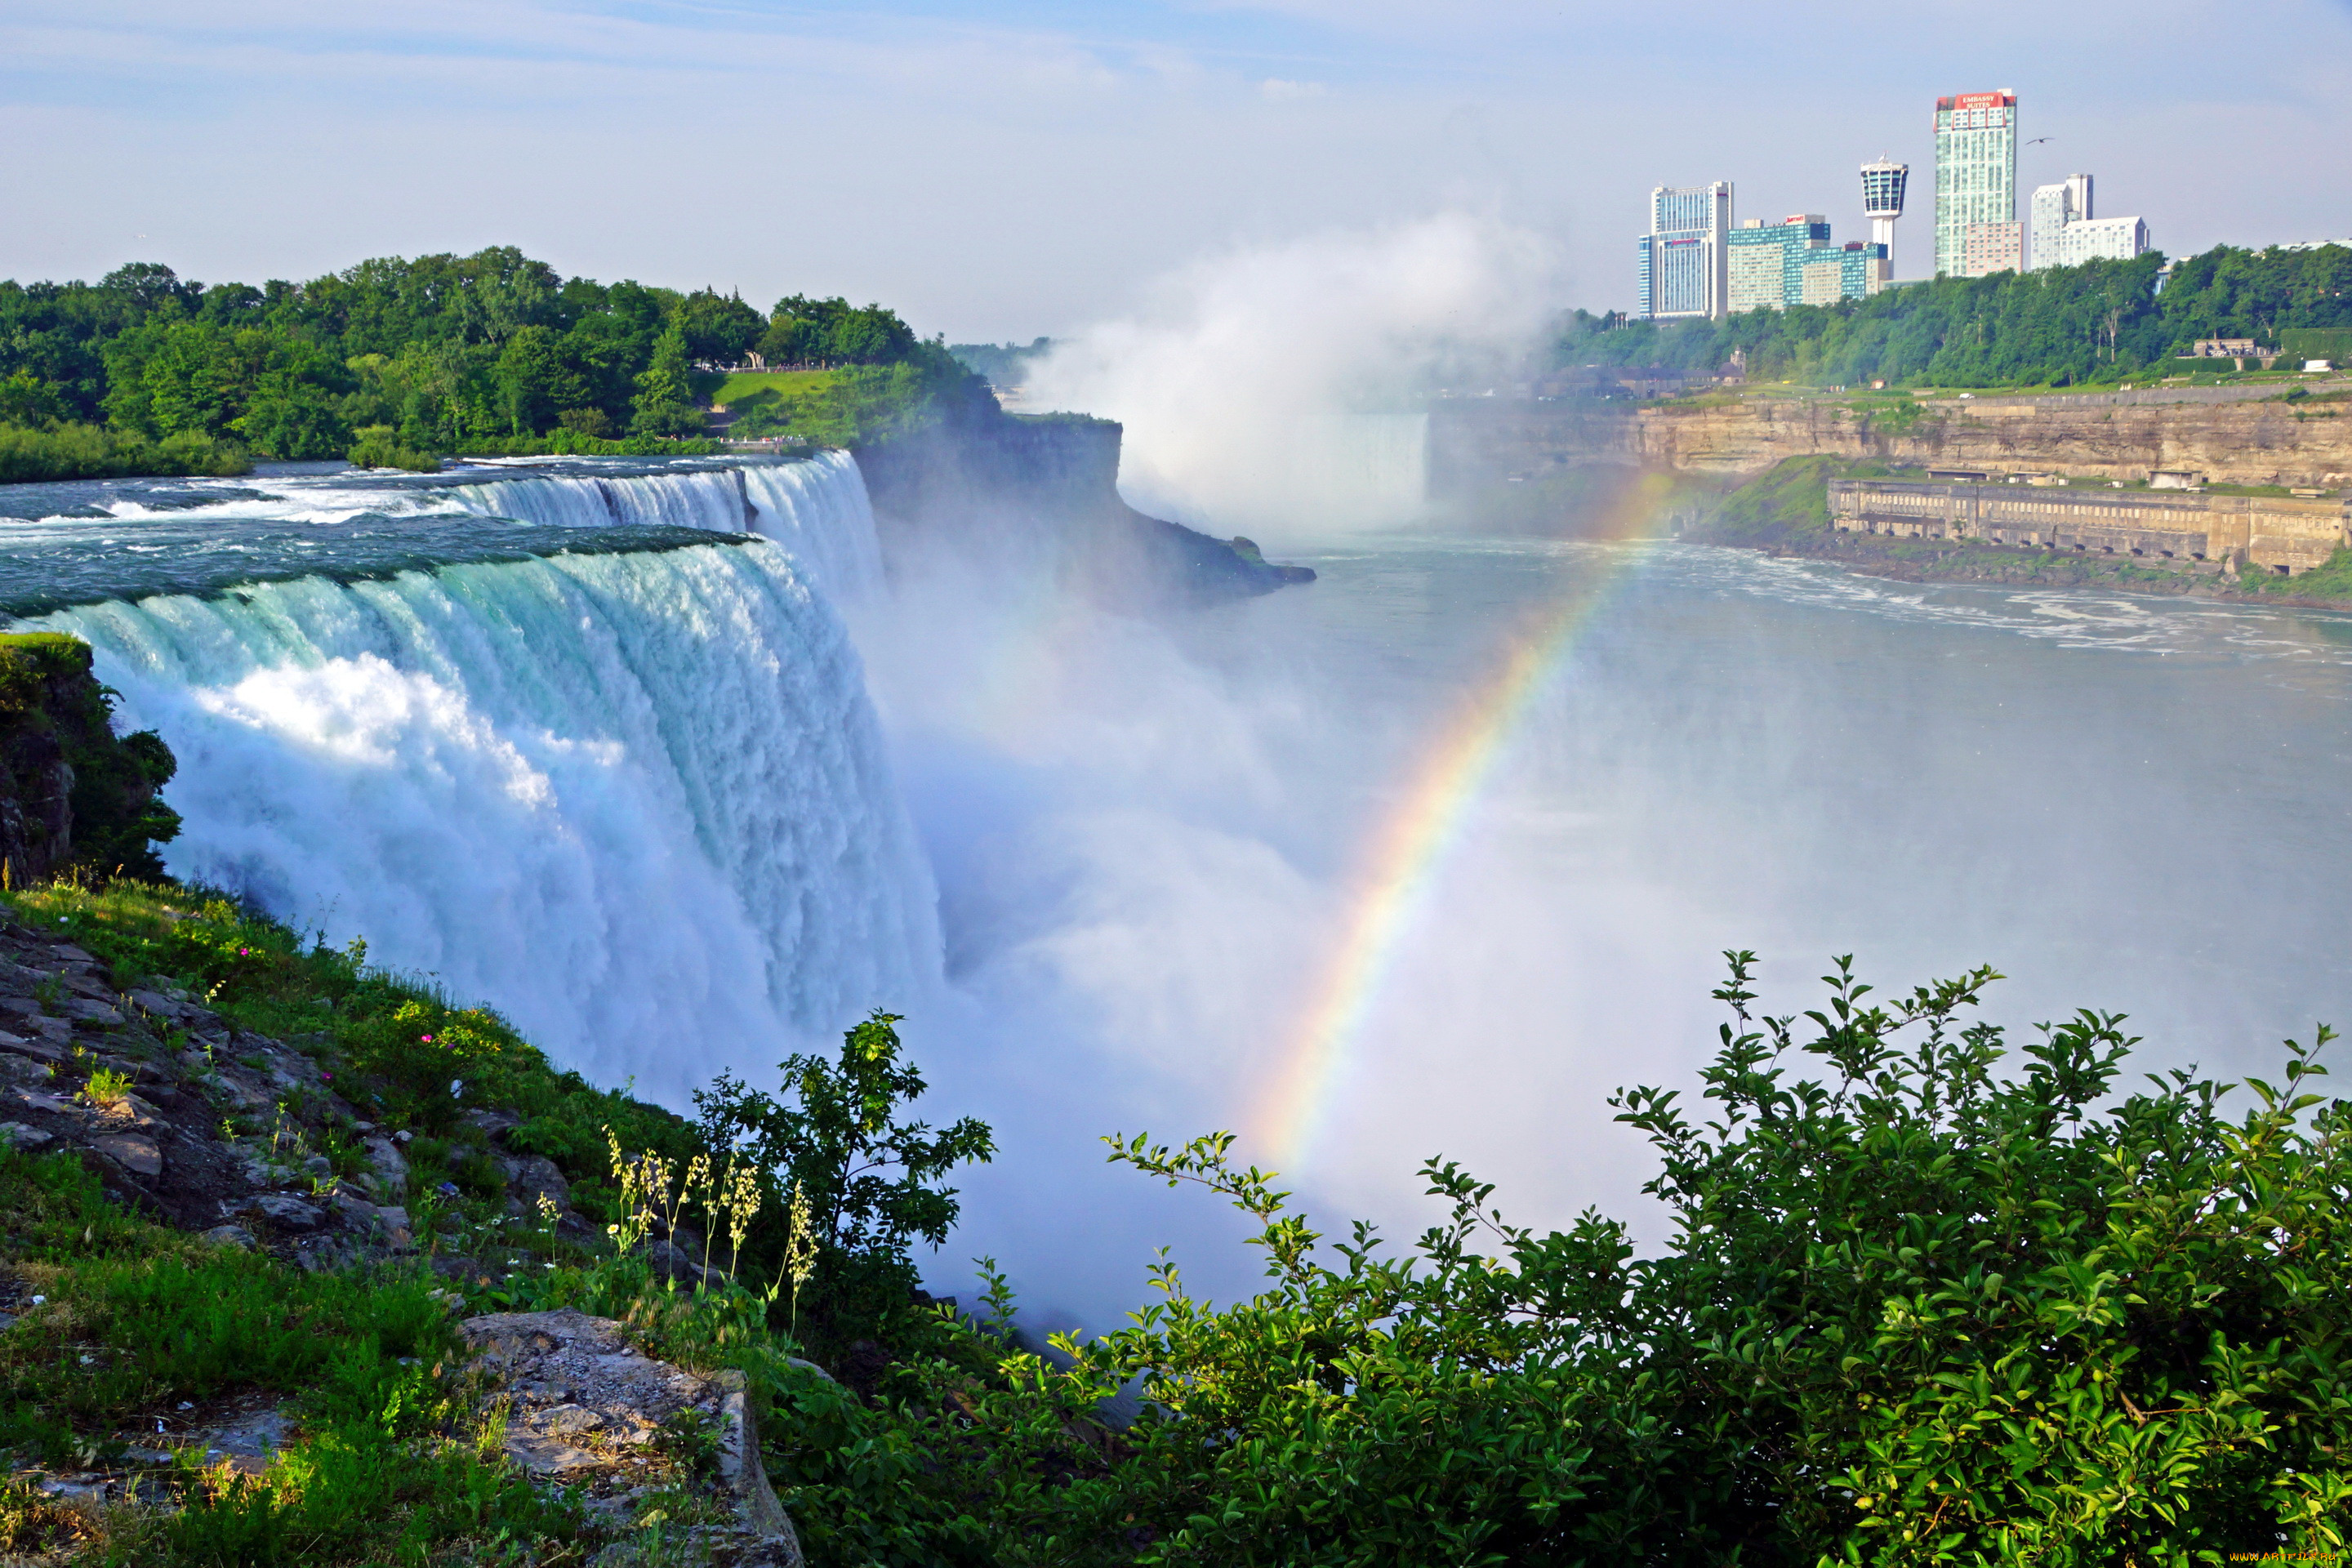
(872, 1184)
(379, 446)
(88, 452)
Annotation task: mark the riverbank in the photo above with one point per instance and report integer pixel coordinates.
(1786, 512)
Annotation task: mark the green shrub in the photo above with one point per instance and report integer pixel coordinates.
(91, 452)
(379, 446)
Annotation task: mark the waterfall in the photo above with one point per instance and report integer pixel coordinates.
(639, 801)
(817, 510)
(1367, 468)
(709, 499)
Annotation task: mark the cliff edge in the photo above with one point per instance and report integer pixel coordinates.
(1050, 482)
(72, 792)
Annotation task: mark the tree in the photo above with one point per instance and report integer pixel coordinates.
(535, 380)
(874, 1185)
(718, 327)
(664, 403)
(28, 401)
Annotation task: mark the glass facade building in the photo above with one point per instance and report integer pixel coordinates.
(1682, 261)
(1792, 262)
(1976, 231)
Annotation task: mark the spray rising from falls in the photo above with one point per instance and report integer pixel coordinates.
(638, 801)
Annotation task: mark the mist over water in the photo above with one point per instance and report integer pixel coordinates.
(1146, 836)
(689, 809)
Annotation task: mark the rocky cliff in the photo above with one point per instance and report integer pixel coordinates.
(2249, 443)
(979, 478)
(71, 792)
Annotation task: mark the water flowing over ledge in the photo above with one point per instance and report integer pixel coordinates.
(638, 800)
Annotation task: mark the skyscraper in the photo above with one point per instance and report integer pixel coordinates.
(1683, 256)
(1976, 231)
(1881, 202)
(1793, 262)
(2066, 233)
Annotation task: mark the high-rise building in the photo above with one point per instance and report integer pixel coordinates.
(1792, 262)
(2066, 233)
(1683, 256)
(1976, 231)
(1765, 260)
(1853, 271)
(1881, 200)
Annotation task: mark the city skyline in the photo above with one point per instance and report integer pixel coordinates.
(1063, 158)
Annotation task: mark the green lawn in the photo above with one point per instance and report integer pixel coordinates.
(788, 384)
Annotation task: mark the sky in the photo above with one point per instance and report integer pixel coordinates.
(998, 172)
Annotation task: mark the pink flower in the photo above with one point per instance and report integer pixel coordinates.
(426, 1038)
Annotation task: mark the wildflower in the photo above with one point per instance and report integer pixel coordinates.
(426, 1038)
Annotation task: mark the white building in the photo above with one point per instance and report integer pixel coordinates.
(2064, 233)
(1683, 258)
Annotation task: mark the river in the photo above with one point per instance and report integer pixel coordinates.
(1425, 859)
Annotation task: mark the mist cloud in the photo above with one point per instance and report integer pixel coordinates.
(1252, 384)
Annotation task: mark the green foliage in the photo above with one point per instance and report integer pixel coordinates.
(486, 352)
(1793, 498)
(846, 408)
(367, 1025)
(28, 401)
(1005, 364)
(379, 446)
(823, 333)
(665, 400)
(718, 328)
(1913, 1311)
(874, 1185)
(2301, 343)
(53, 710)
(2056, 326)
(138, 1319)
(76, 451)
(565, 442)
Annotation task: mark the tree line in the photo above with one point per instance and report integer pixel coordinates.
(441, 354)
(2053, 327)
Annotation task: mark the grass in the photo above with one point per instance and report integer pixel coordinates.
(842, 407)
(391, 1457)
(393, 1043)
(789, 383)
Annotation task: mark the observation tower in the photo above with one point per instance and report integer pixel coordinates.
(1882, 202)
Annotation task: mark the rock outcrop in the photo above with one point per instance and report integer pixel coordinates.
(979, 481)
(2250, 442)
(584, 1406)
(70, 789)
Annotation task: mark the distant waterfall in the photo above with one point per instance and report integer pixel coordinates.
(1365, 467)
(817, 510)
(638, 801)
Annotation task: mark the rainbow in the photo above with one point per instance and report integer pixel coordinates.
(1402, 858)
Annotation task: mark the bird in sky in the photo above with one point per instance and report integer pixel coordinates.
(2037, 142)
